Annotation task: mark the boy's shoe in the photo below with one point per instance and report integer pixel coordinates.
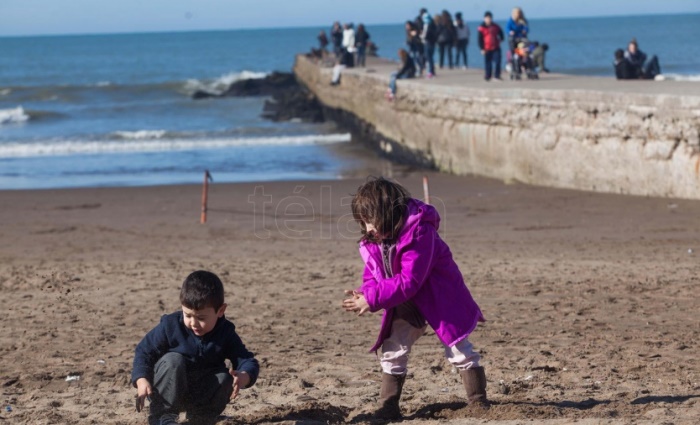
(201, 420)
(429, 75)
(169, 419)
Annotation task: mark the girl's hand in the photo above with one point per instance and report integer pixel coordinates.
(357, 303)
(240, 380)
(144, 390)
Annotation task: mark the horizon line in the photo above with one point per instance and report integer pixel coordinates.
(184, 31)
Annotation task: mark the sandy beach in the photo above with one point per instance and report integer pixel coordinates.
(591, 301)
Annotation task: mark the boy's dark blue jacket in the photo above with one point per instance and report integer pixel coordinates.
(209, 351)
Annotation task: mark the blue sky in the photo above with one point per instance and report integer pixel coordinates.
(29, 17)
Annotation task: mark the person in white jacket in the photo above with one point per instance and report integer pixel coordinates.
(349, 38)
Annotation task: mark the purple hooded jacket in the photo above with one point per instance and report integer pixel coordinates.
(425, 273)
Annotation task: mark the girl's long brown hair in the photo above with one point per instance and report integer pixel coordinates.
(382, 203)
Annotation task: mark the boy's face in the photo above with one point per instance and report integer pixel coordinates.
(201, 322)
(488, 20)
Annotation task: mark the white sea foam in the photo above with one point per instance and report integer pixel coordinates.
(5, 92)
(103, 84)
(64, 147)
(140, 134)
(219, 85)
(13, 115)
(695, 78)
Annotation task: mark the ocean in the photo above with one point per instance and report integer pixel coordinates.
(115, 110)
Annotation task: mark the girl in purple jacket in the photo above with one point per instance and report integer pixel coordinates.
(410, 274)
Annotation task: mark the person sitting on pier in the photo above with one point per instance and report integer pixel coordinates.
(347, 60)
(623, 69)
(538, 55)
(407, 70)
(643, 68)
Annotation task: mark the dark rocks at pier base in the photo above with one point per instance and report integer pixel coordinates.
(298, 104)
(289, 100)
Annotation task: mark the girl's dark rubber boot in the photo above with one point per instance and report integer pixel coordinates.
(389, 397)
(474, 381)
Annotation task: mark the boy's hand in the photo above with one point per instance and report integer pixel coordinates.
(357, 303)
(144, 391)
(240, 380)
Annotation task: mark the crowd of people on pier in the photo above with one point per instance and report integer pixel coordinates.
(448, 37)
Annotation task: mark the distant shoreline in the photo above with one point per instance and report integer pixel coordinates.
(314, 27)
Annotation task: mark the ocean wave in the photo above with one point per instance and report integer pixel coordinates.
(67, 147)
(221, 84)
(67, 92)
(13, 115)
(140, 134)
(695, 78)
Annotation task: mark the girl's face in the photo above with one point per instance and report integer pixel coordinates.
(370, 227)
(372, 232)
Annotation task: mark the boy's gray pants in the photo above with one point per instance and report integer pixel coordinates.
(203, 394)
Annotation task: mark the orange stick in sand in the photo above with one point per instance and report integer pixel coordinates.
(426, 191)
(205, 194)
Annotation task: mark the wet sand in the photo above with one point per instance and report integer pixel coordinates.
(591, 301)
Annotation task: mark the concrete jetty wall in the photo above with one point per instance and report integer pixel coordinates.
(586, 133)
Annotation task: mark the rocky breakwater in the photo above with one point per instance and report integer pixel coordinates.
(286, 98)
(585, 133)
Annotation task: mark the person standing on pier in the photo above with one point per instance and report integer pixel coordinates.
(462, 32)
(490, 38)
(429, 38)
(361, 41)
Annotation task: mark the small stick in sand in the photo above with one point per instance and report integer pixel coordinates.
(205, 194)
(426, 190)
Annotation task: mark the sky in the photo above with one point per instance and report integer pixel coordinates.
(39, 17)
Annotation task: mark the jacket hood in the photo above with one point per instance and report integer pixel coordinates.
(420, 213)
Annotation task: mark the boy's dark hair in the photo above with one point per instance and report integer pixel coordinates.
(619, 54)
(383, 204)
(202, 289)
(545, 47)
(489, 14)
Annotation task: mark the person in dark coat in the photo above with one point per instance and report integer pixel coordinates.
(643, 68)
(415, 45)
(361, 40)
(322, 41)
(623, 69)
(445, 37)
(337, 38)
(407, 70)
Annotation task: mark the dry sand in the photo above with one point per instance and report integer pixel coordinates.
(591, 301)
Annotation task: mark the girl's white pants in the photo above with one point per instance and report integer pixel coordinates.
(396, 348)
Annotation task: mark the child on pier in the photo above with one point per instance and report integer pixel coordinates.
(410, 274)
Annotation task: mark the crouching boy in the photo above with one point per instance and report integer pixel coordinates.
(179, 365)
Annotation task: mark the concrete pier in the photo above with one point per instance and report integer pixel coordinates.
(588, 133)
